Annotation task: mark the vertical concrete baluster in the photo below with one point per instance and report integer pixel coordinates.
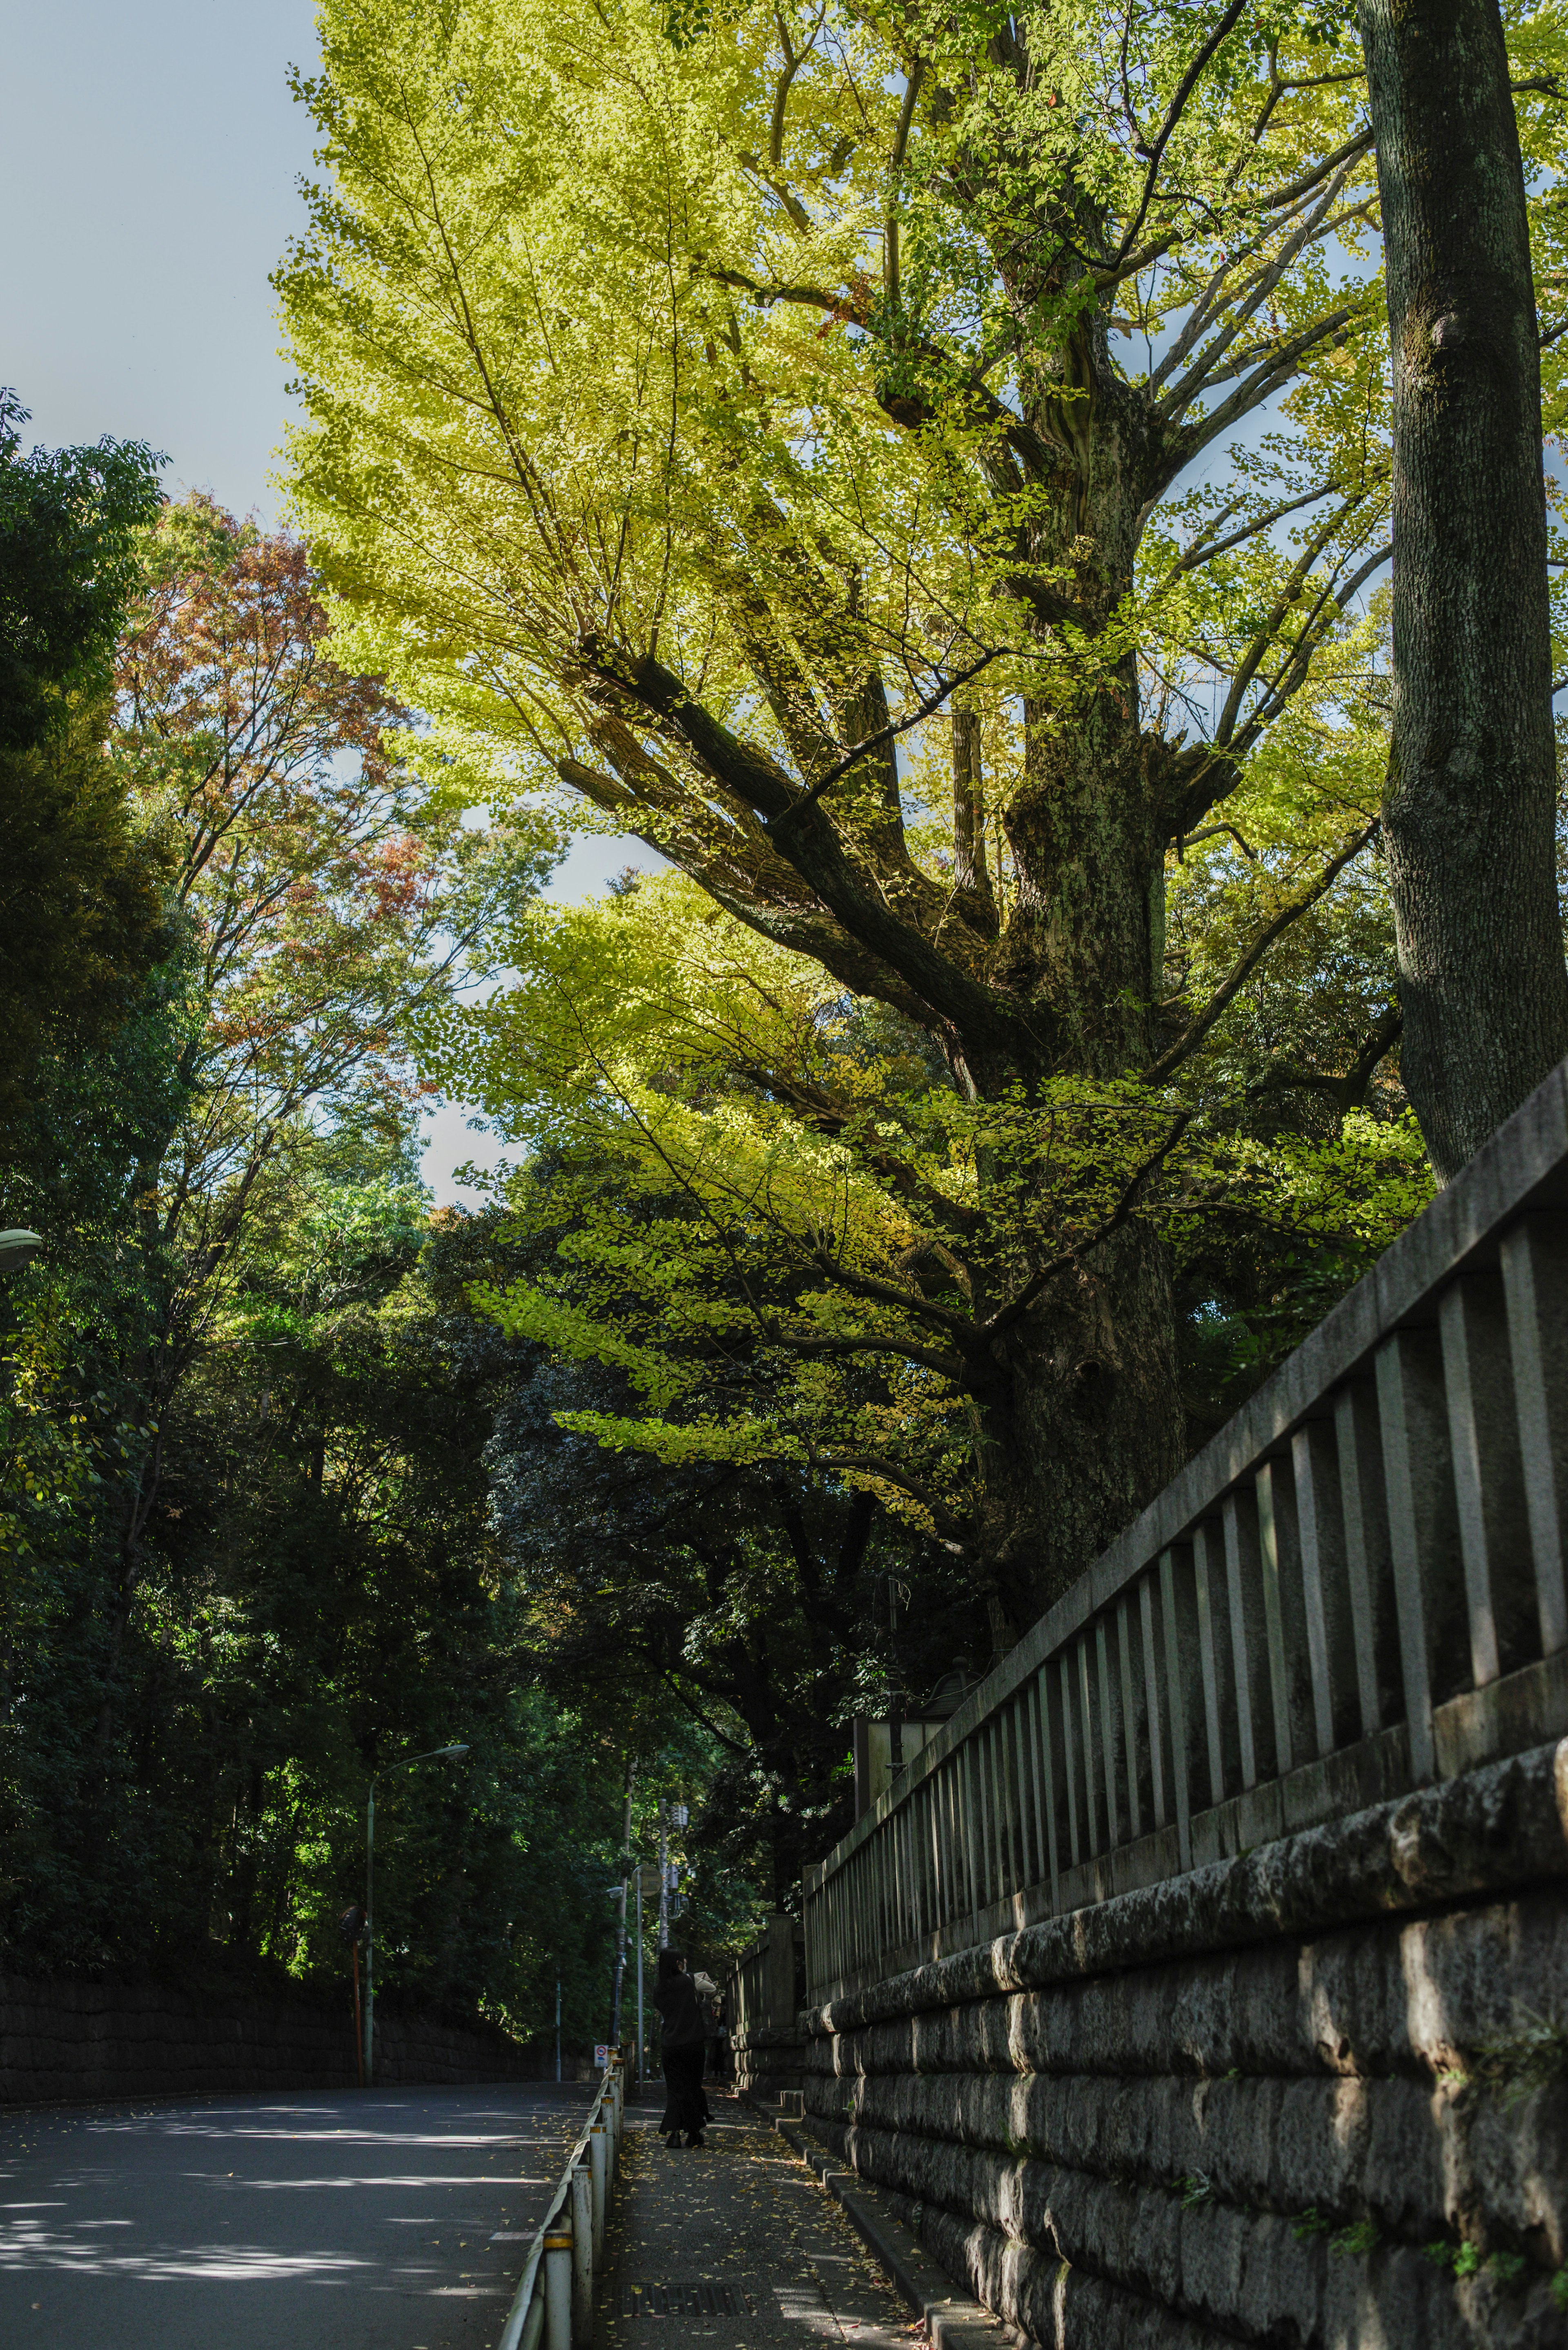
(1325, 1588)
(996, 1784)
(1214, 1648)
(582, 2207)
(558, 2264)
(954, 1898)
(1070, 1745)
(1049, 1777)
(1284, 1614)
(1249, 1634)
(1030, 1871)
(852, 1894)
(1135, 1732)
(968, 1827)
(979, 1816)
(1489, 1474)
(1002, 1776)
(1535, 1279)
(1369, 1558)
(1108, 1690)
(1183, 1681)
(1158, 1728)
(1088, 1745)
(1019, 1770)
(598, 2181)
(1034, 1751)
(1423, 1528)
(930, 1834)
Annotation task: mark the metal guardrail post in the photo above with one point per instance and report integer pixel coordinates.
(582, 2207)
(599, 2166)
(558, 2289)
(552, 2308)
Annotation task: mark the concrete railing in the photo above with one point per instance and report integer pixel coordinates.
(761, 1990)
(1356, 1589)
(553, 2304)
(763, 1994)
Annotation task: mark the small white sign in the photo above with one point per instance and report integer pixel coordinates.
(603, 2052)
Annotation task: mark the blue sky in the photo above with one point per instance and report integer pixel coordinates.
(150, 154)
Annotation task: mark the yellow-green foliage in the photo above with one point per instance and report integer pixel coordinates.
(740, 1169)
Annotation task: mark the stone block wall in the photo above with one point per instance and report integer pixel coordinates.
(768, 2058)
(82, 2040)
(1313, 2096)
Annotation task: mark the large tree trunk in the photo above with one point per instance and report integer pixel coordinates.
(1086, 1423)
(1473, 776)
(1083, 1429)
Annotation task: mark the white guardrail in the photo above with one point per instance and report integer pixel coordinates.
(553, 2304)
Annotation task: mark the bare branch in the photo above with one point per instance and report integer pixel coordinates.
(779, 824)
(1193, 1036)
(1349, 1090)
(1174, 112)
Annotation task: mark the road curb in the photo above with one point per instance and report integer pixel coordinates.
(953, 2320)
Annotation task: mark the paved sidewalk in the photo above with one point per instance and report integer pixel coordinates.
(735, 2245)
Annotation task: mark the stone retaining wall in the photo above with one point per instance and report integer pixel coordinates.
(83, 2040)
(767, 2059)
(1313, 2096)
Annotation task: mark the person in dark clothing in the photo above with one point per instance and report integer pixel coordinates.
(683, 2043)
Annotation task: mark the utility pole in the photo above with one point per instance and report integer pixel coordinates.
(671, 1816)
(558, 2027)
(640, 1978)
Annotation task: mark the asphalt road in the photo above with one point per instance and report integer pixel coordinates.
(359, 2221)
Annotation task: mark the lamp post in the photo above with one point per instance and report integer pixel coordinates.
(436, 1755)
(16, 1249)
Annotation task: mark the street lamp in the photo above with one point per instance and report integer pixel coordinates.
(17, 1249)
(436, 1755)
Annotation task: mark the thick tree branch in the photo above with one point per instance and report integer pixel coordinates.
(1349, 1090)
(813, 848)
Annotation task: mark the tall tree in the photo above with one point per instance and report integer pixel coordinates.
(68, 566)
(81, 900)
(327, 895)
(1470, 807)
(695, 410)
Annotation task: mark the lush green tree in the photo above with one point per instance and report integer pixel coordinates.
(328, 894)
(729, 421)
(68, 566)
(81, 912)
(322, 1593)
(764, 1208)
(84, 917)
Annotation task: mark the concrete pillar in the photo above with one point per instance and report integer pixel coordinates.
(558, 2288)
(582, 2208)
(599, 2172)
